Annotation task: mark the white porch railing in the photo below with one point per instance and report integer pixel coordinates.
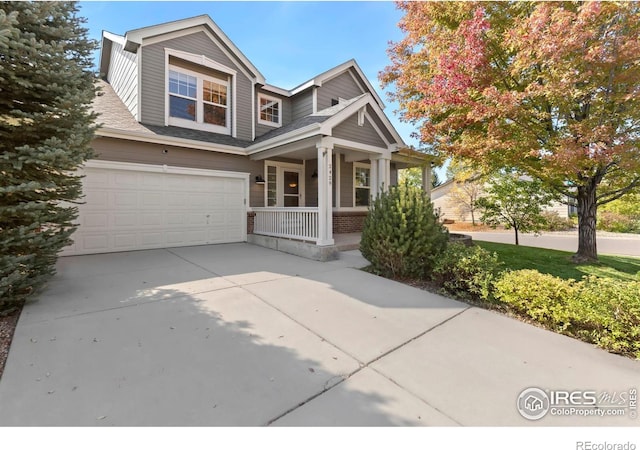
(293, 223)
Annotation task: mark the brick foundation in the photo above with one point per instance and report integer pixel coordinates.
(250, 220)
(348, 221)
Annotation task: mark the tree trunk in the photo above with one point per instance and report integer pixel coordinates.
(515, 228)
(587, 208)
(473, 219)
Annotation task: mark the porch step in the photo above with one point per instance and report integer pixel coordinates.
(347, 241)
(346, 246)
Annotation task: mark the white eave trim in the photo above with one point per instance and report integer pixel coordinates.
(296, 135)
(169, 140)
(275, 90)
(113, 37)
(340, 116)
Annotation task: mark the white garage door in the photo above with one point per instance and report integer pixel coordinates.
(139, 206)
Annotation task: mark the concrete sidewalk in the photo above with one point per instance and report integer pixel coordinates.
(242, 335)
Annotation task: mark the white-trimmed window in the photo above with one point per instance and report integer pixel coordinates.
(198, 101)
(269, 110)
(361, 184)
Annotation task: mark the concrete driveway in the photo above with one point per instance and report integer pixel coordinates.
(242, 335)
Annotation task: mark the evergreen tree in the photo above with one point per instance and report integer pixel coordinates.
(46, 126)
(402, 235)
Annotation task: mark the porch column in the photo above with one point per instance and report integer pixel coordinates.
(325, 200)
(384, 174)
(373, 174)
(426, 179)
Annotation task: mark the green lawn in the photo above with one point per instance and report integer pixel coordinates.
(559, 263)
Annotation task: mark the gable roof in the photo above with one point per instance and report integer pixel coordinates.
(319, 123)
(133, 39)
(319, 79)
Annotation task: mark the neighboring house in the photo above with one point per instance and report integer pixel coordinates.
(196, 148)
(449, 210)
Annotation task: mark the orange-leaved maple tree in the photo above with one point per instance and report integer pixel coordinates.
(548, 89)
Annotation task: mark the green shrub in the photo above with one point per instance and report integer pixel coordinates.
(467, 272)
(553, 222)
(617, 223)
(601, 311)
(538, 296)
(402, 236)
(606, 312)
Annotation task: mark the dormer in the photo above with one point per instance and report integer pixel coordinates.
(185, 73)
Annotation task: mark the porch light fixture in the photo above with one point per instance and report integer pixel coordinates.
(314, 174)
(292, 185)
(259, 179)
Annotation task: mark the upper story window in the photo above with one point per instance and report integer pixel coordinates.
(198, 101)
(269, 110)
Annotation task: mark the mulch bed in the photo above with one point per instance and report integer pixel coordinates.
(7, 327)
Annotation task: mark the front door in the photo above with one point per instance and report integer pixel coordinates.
(291, 188)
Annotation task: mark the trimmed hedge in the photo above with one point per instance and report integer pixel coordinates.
(601, 311)
(467, 272)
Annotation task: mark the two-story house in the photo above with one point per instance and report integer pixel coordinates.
(197, 148)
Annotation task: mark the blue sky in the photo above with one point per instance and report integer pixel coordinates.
(289, 42)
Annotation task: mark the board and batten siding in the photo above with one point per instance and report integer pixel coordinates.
(302, 105)
(350, 130)
(286, 113)
(153, 89)
(110, 149)
(123, 76)
(342, 86)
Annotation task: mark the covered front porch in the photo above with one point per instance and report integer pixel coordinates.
(321, 171)
(319, 187)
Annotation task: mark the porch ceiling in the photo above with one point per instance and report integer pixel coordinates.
(306, 149)
(303, 149)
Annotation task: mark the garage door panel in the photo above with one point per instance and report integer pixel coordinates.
(130, 209)
(175, 219)
(125, 220)
(152, 220)
(121, 200)
(151, 199)
(175, 200)
(151, 180)
(97, 198)
(150, 239)
(96, 220)
(94, 242)
(197, 201)
(124, 178)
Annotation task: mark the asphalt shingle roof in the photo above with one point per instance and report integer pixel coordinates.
(114, 114)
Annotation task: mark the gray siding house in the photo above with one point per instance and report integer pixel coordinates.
(197, 148)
